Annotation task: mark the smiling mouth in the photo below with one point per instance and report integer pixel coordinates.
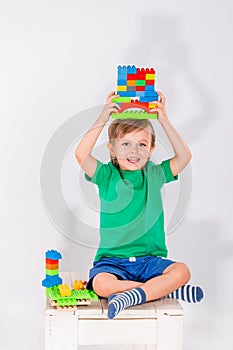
(133, 159)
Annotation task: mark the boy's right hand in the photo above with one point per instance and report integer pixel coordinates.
(110, 107)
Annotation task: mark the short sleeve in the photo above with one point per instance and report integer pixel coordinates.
(102, 174)
(166, 169)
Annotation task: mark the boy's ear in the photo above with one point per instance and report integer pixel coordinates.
(110, 148)
(152, 150)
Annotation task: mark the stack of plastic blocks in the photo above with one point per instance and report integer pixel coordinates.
(136, 87)
(52, 269)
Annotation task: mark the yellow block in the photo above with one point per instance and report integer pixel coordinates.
(153, 105)
(150, 76)
(131, 82)
(64, 290)
(121, 88)
(78, 284)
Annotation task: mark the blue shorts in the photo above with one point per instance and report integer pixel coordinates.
(139, 269)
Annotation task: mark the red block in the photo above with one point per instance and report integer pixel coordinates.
(139, 103)
(141, 74)
(50, 261)
(135, 104)
(141, 70)
(150, 82)
(140, 88)
(150, 71)
(131, 76)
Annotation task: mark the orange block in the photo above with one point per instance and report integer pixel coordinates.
(78, 284)
(51, 266)
(131, 82)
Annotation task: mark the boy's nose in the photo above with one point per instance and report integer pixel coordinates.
(133, 149)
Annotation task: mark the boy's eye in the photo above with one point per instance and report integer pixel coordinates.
(125, 144)
(142, 144)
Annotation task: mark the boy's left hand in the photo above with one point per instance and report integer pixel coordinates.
(161, 109)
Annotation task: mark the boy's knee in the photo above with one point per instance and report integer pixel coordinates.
(184, 272)
(181, 272)
(102, 285)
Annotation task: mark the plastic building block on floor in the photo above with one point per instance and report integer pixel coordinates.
(136, 84)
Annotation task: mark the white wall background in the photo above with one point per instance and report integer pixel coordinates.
(58, 58)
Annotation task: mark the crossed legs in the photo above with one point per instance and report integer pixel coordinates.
(173, 277)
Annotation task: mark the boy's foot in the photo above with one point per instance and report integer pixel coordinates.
(118, 302)
(191, 294)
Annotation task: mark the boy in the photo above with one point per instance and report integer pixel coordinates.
(131, 264)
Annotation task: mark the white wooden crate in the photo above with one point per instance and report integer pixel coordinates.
(153, 325)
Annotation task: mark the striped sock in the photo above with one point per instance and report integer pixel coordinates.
(118, 302)
(191, 294)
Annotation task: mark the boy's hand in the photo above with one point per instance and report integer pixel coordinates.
(110, 107)
(161, 109)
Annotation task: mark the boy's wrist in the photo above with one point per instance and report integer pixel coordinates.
(103, 118)
(164, 120)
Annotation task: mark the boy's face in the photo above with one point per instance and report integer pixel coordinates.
(132, 150)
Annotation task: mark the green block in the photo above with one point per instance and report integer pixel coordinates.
(48, 291)
(67, 301)
(53, 293)
(51, 272)
(140, 82)
(93, 295)
(135, 115)
(81, 294)
(85, 294)
(121, 99)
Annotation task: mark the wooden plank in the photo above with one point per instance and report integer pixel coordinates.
(169, 332)
(144, 347)
(168, 306)
(94, 310)
(146, 310)
(131, 331)
(61, 332)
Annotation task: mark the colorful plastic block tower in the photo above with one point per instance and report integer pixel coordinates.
(136, 87)
(61, 295)
(52, 258)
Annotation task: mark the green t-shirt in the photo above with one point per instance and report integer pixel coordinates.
(131, 210)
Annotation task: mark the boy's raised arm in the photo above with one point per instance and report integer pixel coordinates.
(83, 151)
(182, 152)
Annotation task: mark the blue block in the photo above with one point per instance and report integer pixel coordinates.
(147, 99)
(121, 82)
(131, 70)
(152, 94)
(122, 72)
(127, 93)
(51, 281)
(149, 87)
(140, 93)
(53, 255)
